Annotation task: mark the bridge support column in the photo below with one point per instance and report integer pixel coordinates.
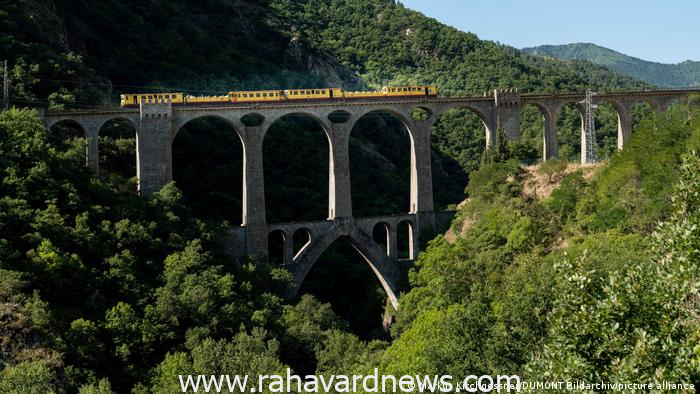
(508, 106)
(339, 197)
(254, 193)
(624, 124)
(92, 150)
(550, 144)
(154, 159)
(422, 177)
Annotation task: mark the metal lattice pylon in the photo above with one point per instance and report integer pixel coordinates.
(589, 128)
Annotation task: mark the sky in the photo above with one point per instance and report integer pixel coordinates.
(666, 31)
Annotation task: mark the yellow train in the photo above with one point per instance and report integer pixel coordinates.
(262, 96)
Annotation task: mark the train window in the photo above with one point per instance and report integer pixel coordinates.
(257, 94)
(323, 92)
(264, 94)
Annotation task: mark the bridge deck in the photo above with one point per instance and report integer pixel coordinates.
(365, 102)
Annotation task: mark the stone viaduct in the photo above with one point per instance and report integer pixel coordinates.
(157, 123)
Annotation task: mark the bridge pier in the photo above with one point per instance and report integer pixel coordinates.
(154, 158)
(92, 150)
(624, 122)
(550, 148)
(422, 177)
(508, 107)
(254, 192)
(339, 186)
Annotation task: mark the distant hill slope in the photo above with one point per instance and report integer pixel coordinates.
(685, 74)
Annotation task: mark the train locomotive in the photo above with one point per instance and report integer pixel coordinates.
(264, 96)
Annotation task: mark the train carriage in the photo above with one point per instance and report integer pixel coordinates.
(410, 91)
(134, 99)
(254, 96)
(313, 94)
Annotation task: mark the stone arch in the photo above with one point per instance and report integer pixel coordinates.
(540, 142)
(299, 152)
(639, 110)
(384, 267)
(381, 154)
(117, 137)
(612, 130)
(405, 239)
(55, 121)
(381, 234)
(276, 246)
(208, 164)
(70, 122)
(401, 116)
(339, 116)
(301, 239)
(118, 118)
(253, 119)
(570, 126)
(486, 119)
(59, 135)
(419, 113)
(236, 126)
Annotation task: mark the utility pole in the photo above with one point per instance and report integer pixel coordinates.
(589, 128)
(5, 87)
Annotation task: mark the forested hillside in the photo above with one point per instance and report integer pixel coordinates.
(104, 291)
(680, 75)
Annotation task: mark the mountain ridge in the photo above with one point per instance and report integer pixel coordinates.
(683, 74)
